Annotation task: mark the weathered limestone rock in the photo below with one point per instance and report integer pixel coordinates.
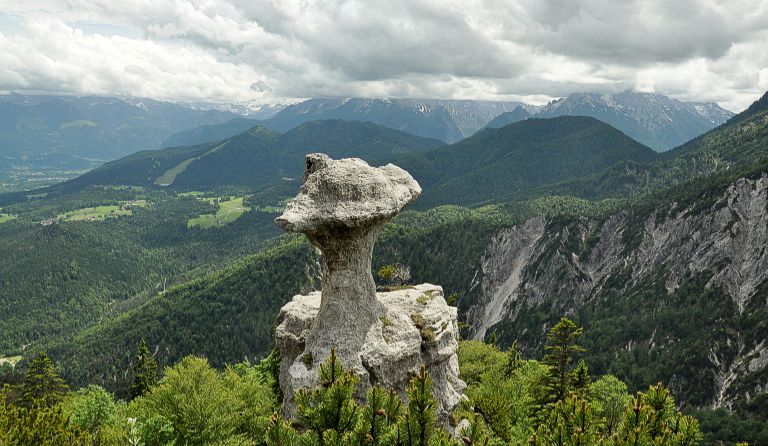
(415, 327)
(341, 208)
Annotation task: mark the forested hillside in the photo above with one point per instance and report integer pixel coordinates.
(256, 158)
(741, 141)
(519, 157)
(74, 260)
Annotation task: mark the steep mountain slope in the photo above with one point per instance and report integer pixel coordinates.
(41, 130)
(518, 157)
(506, 118)
(446, 120)
(226, 316)
(671, 290)
(209, 133)
(655, 120)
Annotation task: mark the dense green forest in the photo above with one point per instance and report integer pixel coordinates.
(510, 400)
(59, 277)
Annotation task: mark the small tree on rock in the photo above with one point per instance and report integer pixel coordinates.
(402, 274)
(387, 273)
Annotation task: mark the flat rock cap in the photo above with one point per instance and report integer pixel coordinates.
(347, 193)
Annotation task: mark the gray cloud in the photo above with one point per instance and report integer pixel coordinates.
(228, 50)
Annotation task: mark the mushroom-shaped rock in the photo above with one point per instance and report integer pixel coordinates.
(347, 193)
(341, 207)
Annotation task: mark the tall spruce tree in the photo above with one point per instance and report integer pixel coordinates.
(42, 386)
(559, 354)
(144, 371)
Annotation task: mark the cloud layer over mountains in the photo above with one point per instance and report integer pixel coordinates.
(532, 50)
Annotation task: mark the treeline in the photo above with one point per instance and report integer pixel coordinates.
(510, 401)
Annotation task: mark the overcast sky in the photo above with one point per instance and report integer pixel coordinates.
(531, 50)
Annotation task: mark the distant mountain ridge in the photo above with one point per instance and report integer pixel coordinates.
(652, 119)
(506, 118)
(80, 131)
(655, 120)
(209, 133)
(446, 120)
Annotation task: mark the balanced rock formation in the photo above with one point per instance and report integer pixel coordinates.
(384, 339)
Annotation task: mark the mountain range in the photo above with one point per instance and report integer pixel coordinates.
(446, 120)
(63, 132)
(659, 255)
(670, 286)
(83, 132)
(496, 162)
(652, 119)
(655, 120)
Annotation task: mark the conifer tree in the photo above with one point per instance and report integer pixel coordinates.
(571, 422)
(280, 433)
(418, 423)
(580, 379)
(651, 420)
(559, 351)
(144, 371)
(378, 418)
(328, 412)
(40, 425)
(42, 386)
(514, 360)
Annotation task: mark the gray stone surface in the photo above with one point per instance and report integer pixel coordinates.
(415, 327)
(341, 208)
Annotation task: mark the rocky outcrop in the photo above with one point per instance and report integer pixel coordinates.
(341, 208)
(416, 327)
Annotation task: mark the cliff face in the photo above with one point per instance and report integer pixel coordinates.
(677, 292)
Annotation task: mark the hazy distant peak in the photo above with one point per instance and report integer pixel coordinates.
(653, 119)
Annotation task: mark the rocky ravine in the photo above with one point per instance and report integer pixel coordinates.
(705, 263)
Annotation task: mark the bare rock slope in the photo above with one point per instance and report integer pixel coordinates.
(675, 292)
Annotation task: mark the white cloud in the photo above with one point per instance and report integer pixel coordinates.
(220, 50)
